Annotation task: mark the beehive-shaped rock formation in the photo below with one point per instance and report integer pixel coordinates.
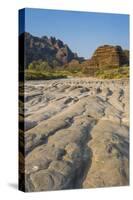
(109, 56)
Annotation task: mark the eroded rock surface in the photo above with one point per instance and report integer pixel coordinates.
(108, 56)
(47, 49)
(76, 134)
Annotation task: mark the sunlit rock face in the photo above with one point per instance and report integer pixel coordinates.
(109, 56)
(47, 49)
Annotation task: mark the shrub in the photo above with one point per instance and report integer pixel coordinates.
(39, 65)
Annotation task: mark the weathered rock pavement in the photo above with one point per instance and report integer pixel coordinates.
(76, 134)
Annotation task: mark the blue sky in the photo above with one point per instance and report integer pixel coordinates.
(82, 31)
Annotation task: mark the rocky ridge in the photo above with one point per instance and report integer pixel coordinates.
(56, 53)
(52, 50)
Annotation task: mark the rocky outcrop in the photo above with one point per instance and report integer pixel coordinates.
(52, 50)
(76, 134)
(109, 56)
(56, 53)
(126, 52)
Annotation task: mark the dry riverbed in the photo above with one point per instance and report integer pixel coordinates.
(76, 133)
